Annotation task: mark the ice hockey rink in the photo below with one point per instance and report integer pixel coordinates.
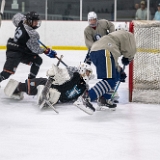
(132, 132)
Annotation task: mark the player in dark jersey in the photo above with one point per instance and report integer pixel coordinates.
(24, 47)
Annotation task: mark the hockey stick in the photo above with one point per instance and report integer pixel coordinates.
(2, 9)
(117, 86)
(56, 56)
(59, 60)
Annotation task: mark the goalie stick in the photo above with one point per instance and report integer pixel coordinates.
(45, 90)
(2, 9)
(56, 56)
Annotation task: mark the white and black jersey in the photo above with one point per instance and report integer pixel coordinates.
(25, 37)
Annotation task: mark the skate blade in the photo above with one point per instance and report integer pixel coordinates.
(104, 108)
(84, 109)
(112, 109)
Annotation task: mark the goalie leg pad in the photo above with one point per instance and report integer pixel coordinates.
(10, 88)
(53, 96)
(39, 94)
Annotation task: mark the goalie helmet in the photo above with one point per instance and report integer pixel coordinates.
(91, 16)
(85, 71)
(31, 18)
(121, 26)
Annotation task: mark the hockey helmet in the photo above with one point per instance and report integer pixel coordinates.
(121, 26)
(31, 17)
(85, 71)
(92, 16)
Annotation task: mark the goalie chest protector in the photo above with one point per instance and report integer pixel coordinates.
(71, 89)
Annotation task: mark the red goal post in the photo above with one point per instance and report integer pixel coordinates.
(130, 84)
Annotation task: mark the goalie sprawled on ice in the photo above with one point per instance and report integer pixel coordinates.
(62, 85)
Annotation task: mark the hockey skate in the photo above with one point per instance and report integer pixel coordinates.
(103, 103)
(84, 104)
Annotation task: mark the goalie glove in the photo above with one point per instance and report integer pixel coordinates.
(50, 53)
(59, 76)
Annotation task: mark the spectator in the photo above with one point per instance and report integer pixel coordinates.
(157, 14)
(141, 13)
(136, 6)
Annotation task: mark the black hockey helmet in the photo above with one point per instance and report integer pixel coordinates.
(33, 16)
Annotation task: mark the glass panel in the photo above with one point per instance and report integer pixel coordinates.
(70, 9)
(127, 9)
(23, 6)
(103, 8)
(64, 10)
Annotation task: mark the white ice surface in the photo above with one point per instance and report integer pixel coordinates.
(132, 132)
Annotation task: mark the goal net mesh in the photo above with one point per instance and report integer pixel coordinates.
(146, 65)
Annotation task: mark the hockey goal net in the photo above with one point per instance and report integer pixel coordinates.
(144, 71)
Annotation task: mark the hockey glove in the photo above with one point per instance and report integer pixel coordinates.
(125, 61)
(97, 37)
(123, 76)
(88, 59)
(50, 53)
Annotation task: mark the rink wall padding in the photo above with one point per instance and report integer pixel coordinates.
(58, 35)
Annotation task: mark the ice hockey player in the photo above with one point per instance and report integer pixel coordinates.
(95, 30)
(24, 47)
(67, 84)
(104, 55)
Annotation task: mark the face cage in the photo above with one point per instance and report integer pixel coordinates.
(92, 25)
(30, 23)
(38, 24)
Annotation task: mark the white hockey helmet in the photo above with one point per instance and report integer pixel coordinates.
(85, 71)
(121, 26)
(92, 15)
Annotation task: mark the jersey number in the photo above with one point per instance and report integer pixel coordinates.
(18, 34)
